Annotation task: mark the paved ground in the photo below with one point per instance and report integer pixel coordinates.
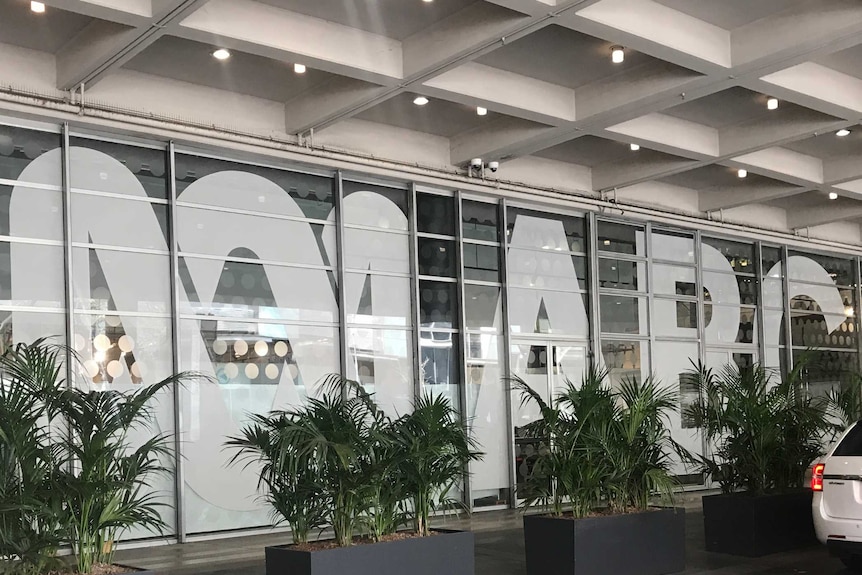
(499, 551)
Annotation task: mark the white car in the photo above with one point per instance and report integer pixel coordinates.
(837, 504)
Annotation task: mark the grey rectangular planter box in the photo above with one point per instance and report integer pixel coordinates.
(447, 553)
(646, 543)
(757, 525)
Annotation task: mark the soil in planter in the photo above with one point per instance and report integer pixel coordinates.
(331, 543)
(100, 569)
(600, 513)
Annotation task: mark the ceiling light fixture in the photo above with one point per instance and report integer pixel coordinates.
(635, 147)
(833, 196)
(842, 132)
(772, 104)
(299, 68)
(420, 100)
(618, 55)
(427, 1)
(742, 173)
(37, 7)
(221, 54)
(481, 111)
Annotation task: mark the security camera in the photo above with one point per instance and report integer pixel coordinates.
(476, 163)
(494, 166)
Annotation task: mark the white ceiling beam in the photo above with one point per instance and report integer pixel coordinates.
(291, 37)
(671, 135)
(853, 186)
(648, 166)
(785, 164)
(496, 139)
(766, 132)
(103, 46)
(822, 84)
(324, 103)
(128, 12)
(506, 92)
(842, 169)
(715, 199)
(825, 214)
(662, 25)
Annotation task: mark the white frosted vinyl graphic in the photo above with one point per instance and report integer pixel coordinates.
(538, 310)
(371, 250)
(378, 300)
(366, 208)
(390, 376)
(42, 218)
(672, 248)
(723, 289)
(671, 359)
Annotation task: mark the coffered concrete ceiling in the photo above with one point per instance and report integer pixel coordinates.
(691, 93)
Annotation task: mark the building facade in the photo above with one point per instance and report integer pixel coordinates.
(149, 257)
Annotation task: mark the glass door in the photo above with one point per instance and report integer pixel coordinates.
(546, 367)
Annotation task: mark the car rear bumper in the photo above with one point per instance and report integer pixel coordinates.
(834, 531)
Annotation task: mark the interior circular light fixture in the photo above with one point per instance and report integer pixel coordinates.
(772, 104)
(221, 54)
(420, 100)
(37, 7)
(481, 111)
(618, 55)
(261, 348)
(635, 147)
(842, 132)
(742, 173)
(299, 68)
(833, 196)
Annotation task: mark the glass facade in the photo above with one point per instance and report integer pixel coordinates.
(148, 260)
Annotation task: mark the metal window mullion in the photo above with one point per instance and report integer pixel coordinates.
(339, 255)
(462, 328)
(67, 251)
(650, 296)
(761, 340)
(507, 350)
(788, 337)
(414, 282)
(705, 448)
(179, 475)
(856, 310)
(595, 308)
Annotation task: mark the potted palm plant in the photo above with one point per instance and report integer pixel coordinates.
(605, 454)
(70, 476)
(341, 462)
(764, 432)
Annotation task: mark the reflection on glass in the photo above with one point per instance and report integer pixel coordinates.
(827, 370)
(18, 326)
(438, 303)
(40, 218)
(818, 330)
(624, 360)
(530, 363)
(479, 221)
(726, 329)
(621, 238)
(20, 146)
(439, 364)
(437, 257)
(254, 188)
(671, 359)
(622, 314)
(740, 256)
(146, 164)
(722, 288)
(839, 269)
(382, 361)
(435, 214)
(483, 307)
(621, 274)
(543, 231)
(31, 275)
(481, 262)
(672, 246)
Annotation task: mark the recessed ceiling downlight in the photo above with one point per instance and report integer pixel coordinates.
(420, 100)
(221, 54)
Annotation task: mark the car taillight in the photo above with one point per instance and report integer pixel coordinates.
(817, 477)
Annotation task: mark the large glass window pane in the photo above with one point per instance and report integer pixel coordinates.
(483, 307)
(621, 238)
(246, 290)
(554, 312)
(623, 314)
(675, 318)
(382, 361)
(626, 359)
(437, 257)
(119, 222)
(20, 146)
(378, 300)
(480, 221)
(438, 304)
(109, 280)
(826, 370)
(771, 261)
(542, 231)
(730, 324)
(486, 415)
(227, 351)
(808, 303)
(673, 358)
(818, 330)
(32, 275)
(31, 213)
(439, 364)
(672, 246)
(118, 168)
(435, 214)
(369, 250)
(839, 269)
(481, 262)
(375, 206)
(674, 280)
(530, 363)
(622, 274)
(731, 289)
(211, 182)
(547, 270)
(27, 326)
(738, 255)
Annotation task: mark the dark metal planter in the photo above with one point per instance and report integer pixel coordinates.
(757, 525)
(646, 543)
(447, 553)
